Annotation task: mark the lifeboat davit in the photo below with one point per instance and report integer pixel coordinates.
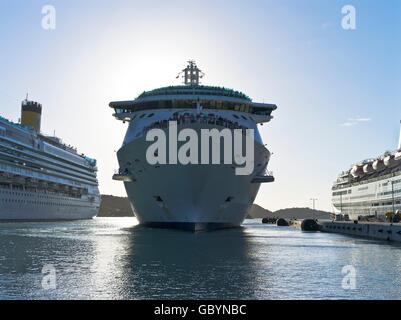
(368, 168)
(390, 161)
(398, 156)
(357, 171)
(378, 165)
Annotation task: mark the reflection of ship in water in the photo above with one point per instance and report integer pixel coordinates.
(164, 263)
(113, 259)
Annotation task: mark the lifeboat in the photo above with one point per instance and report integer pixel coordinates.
(357, 171)
(390, 161)
(378, 165)
(368, 168)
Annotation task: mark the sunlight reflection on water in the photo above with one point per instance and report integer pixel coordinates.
(114, 258)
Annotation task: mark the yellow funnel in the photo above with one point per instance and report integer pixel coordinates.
(31, 113)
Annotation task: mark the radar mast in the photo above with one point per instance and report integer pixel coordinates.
(192, 74)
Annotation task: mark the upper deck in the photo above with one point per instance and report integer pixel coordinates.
(27, 137)
(188, 97)
(192, 95)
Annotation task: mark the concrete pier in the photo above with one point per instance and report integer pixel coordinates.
(371, 230)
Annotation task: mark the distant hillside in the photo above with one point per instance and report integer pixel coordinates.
(301, 213)
(257, 212)
(115, 207)
(120, 207)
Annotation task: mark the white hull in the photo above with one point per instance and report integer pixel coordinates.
(374, 198)
(30, 206)
(189, 196)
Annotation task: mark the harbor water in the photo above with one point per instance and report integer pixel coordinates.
(114, 258)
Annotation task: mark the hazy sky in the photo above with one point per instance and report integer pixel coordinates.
(338, 91)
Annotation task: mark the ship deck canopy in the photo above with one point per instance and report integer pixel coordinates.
(177, 97)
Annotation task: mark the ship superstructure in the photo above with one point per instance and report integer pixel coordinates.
(41, 178)
(190, 196)
(371, 187)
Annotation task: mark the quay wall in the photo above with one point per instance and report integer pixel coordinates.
(371, 230)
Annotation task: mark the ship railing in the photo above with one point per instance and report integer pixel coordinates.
(192, 119)
(264, 177)
(381, 177)
(123, 175)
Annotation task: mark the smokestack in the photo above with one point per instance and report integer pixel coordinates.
(399, 141)
(31, 113)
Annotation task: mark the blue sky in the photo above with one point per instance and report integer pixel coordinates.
(292, 53)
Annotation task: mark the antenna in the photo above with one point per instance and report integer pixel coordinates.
(399, 141)
(192, 74)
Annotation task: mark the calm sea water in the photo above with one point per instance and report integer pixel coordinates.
(113, 258)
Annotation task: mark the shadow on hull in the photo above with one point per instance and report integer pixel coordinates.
(190, 226)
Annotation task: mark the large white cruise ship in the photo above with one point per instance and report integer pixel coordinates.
(208, 194)
(40, 177)
(371, 187)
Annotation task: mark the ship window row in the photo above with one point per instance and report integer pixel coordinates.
(190, 119)
(210, 115)
(363, 196)
(36, 193)
(55, 204)
(201, 115)
(18, 194)
(390, 203)
(55, 158)
(191, 104)
(389, 192)
(28, 193)
(51, 165)
(339, 193)
(364, 204)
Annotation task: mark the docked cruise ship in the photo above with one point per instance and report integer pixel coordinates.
(40, 177)
(191, 196)
(371, 187)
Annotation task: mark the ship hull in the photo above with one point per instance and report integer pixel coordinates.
(190, 197)
(375, 197)
(31, 206)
